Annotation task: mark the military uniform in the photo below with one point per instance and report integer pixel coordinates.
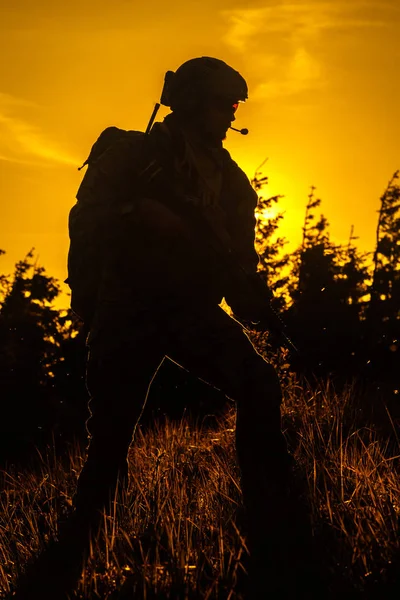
(159, 297)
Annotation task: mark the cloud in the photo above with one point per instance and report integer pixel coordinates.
(24, 142)
(7, 100)
(302, 72)
(243, 25)
(296, 22)
(284, 40)
(19, 161)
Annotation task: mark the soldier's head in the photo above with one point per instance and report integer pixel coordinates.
(205, 92)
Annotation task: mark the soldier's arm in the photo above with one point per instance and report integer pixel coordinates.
(242, 220)
(244, 243)
(241, 295)
(249, 297)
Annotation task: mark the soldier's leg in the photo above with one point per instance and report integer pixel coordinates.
(215, 348)
(118, 384)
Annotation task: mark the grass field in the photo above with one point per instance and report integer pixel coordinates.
(179, 531)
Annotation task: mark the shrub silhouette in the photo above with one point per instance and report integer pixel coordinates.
(34, 339)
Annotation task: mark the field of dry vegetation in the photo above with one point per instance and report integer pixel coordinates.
(179, 532)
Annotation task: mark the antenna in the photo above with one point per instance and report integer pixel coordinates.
(169, 75)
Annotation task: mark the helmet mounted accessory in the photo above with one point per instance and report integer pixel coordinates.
(200, 80)
(164, 100)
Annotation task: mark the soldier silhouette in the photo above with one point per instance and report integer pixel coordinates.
(158, 295)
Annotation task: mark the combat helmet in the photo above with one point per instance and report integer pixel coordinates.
(200, 78)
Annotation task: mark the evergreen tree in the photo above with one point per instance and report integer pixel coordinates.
(383, 315)
(385, 286)
(32, 338)
(328, 283)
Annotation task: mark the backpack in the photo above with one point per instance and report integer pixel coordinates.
(94, 219)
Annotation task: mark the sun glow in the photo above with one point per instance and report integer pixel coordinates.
(322, 104)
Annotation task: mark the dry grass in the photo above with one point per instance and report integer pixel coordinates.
(178, 531)
(353, 483)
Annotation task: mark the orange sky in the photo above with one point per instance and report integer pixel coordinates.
(323, 106)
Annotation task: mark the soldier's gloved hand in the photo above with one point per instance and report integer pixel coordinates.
(259, 317)
(271, 324)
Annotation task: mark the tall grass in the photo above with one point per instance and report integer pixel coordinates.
(353, 485)
(178, 532)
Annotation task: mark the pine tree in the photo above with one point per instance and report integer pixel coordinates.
(327, 286)
(383, 315)
(32, 338)
(386, 274)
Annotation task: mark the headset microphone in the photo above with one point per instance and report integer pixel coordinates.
(242, 131)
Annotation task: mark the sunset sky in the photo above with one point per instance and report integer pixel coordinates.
(324, 98)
